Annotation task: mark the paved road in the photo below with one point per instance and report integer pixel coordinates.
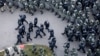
(8, 23)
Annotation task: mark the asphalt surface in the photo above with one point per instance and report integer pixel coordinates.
(8, 23)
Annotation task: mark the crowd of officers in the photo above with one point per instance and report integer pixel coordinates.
(82, 17)
(64, 8)
(84, 22)
(40, 30)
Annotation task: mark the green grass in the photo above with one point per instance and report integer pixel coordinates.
(2, 53)
(28, 50)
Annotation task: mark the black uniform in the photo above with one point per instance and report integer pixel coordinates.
(19, 39)
(51, 34)
(52, 44)
(28, 37)
(70, 35)
(46, 25)
(98, 43)
(84, 34)
(35, 22)
(30, 29)
(19, 24)
(67, 45)
(65, 31)
(77, 35)
(42, 29)
(23, 30)
(97, 16)
(38, 34)
(1, 3)
(93, 47)
(23, 18)
(82, 47)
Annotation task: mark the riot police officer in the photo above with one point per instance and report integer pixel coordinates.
(65, 31)
(67, 45)
(35, 22)
(23, 29)
(70, 35)
(77, 35)
(74, 52)
(89, 53)
(31, 7)
(79, 6)
(10, 5)
(28, 37)
(38, 34)
(21, 32)
(84, 33)
(2, 6)
(51, 46)
(30, 29)
(60, 11)
(97, 53)
(82, 46)
(56, 8)
(19, 24)
(66, 48)
(23, 18)
(51, 34)
(19, 37)
(93, 46)
(47, 25)
(98, 43)
(54, 42)
(1, 3)
(41, 6)
(42, 29)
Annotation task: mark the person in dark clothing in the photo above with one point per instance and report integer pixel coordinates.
(70, 35)
(23, 30)
(54, 42)
(67, 45)
(28, 37)
(30, 29)
(23, 18)
(19, 39)
(51, 46)
(19, 24)
(97, 16)
(38, 34)
(51, 34)
(35, 22)
(66, 48)
(42, 29)
(93, 47)
(65, 31)
(98, 43)
(1, 3)
(82, 47)
(84, 33)
(77, 35)
(7, 52)
(47, 25)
